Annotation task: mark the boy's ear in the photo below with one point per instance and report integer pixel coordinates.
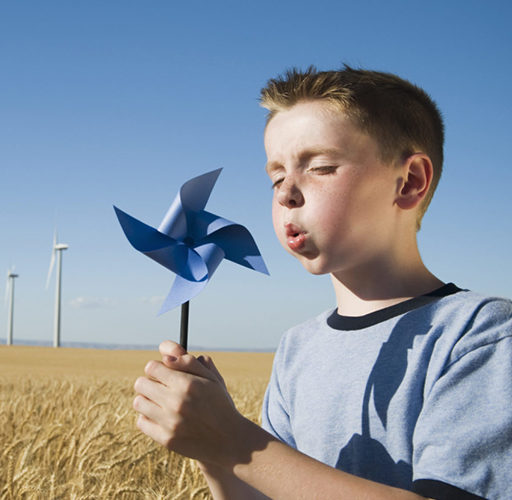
(414, 185)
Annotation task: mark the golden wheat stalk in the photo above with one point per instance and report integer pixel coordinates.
(74, 435)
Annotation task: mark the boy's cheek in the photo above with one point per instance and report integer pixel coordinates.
(281, 235)
(276, 220)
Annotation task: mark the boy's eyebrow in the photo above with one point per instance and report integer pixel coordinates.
(271, 166)
(304, 155)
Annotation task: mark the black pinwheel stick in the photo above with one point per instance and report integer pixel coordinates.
(184, 325)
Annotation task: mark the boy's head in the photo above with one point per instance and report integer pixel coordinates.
(398, 115)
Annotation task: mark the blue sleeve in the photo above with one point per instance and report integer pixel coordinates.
(463, 437)
(275, 417)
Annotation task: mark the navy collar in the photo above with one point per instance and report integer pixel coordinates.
(339, 322)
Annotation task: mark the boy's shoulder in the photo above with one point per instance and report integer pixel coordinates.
(461, 321)
(475, 320)
(303, 332)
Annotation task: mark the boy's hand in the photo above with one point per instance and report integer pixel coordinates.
(171, 350)
(184, 405)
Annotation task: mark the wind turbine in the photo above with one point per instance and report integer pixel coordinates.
(9, 294)
(56, 251)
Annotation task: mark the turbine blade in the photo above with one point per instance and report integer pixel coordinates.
(7, 287)
(50, 269)
(52, 260)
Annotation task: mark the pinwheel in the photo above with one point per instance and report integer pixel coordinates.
(191, 243)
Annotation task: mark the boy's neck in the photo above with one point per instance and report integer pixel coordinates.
(367, 292)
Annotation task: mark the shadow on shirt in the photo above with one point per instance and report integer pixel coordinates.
(363, 455)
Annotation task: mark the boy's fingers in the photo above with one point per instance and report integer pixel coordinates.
(172, 349)
(153, 430)
(151, 389)
(146, 407)
(192, 365)
(187, 364)
(208, 362)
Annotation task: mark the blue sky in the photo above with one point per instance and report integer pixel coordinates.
(120, 102)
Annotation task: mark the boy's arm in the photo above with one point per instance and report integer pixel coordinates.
(187, 409)
(226, 486)
(284, 473)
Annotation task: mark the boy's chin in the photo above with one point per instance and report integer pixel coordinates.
(314, 266)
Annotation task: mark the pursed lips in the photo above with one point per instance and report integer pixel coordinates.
(295, 236)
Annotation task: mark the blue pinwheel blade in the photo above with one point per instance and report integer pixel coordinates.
(205, 224)
(181, 291)
(142, 237)
(178, 221)
(184, 289)
(181, 260)
(192, 242)
(236, 240)
(195, 193)
(239, 247)
(163, 249)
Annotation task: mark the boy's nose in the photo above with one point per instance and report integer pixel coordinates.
(290, 195)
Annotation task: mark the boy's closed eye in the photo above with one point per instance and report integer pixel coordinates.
(321, 170)
(276, 183)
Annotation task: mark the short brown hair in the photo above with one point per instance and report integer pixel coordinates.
(400, 116)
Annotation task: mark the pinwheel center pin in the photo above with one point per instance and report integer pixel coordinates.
(191, 243)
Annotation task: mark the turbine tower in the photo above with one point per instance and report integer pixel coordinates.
(9, 294)
(56, 251)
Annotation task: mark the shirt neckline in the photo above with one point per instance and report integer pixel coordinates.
(340, 322)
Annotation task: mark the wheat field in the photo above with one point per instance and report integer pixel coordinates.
(67, 428)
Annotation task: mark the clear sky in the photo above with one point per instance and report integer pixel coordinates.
(120, 102)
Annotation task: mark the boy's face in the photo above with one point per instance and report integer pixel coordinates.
(334, 199)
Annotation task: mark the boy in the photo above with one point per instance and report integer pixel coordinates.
(405, 390)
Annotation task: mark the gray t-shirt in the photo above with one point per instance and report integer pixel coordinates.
(417, 395)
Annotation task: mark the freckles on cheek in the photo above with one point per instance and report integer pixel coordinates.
(329, 219)
(275, 217)
(277, 222)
